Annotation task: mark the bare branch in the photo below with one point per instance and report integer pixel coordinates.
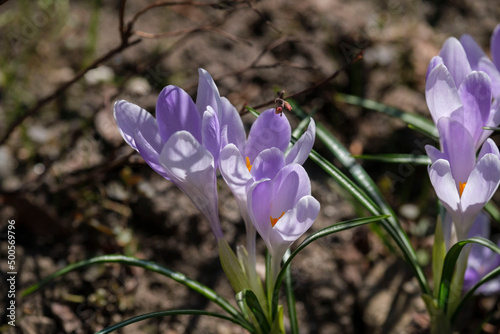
(221, 32)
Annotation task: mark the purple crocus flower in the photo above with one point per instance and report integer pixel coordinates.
(481, 260)
(282, 209)
(183, 143)
(262, 156)
(470, 103)
(463, 183)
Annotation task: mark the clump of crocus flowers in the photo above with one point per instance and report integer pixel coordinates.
(189, 142)
(463, 96)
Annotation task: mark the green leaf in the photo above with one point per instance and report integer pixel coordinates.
(166, 313)
(449, 265)
(397, 158)
(250, 300)
(151, 266)
(313, 237)
(493, 210)
(290, 297)
(415, 121)
(232, 267)
(492, 128)
(438, 255)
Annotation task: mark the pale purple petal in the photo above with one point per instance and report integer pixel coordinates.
(259, 207)
(293, 224)
(441, 93)
(473, 51)
(191, 167)
(434, 153)
(489, 68)
(455, 59)
(267, 164)
(234, 171)
(301, 149)
(459, 147)
(475, 93)
(269, 130)
(444, 185)
(150, 146)
(210, 133)
(489, 146)
(208, 94)
(130, 117)
(289, 185)
(495, 46)
(231, 118)
(481, 185)
(435, 61)
(176, 111)
(223, 137)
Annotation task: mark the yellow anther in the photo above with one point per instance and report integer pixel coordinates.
(248, 165)
(461, 188)
(275, 220)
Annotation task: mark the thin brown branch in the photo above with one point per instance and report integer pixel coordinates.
(121, 17)
(358, 57)
(42, 102)
(221, 32)
(170, 3)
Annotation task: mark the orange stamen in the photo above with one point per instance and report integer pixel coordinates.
(461, 188)
(248, 165)
(275, 220)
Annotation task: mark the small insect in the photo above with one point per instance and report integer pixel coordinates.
(282, 104)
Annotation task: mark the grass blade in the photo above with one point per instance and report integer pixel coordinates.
(166, 313)
(131, 261)
(415, 121)
(290, 297)
(397, 158)
(449, 265)
(313, 237)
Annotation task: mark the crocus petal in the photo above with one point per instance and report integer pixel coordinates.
(149, 146)
(489, 68)
(231, 118)
(208, 94)
(176, 111)
(458, 146)
(481, 185)
(444, 185)
(269, 130)
(473, 51)
(289, 185)
(267, 164)
(130, 117)
(455, 59)
(489, 146)
(475, 94)
(434, 153)
(441, 93)
(300, 151)
(234, 171)
(435, 61)
(495, 46)
(259, 207)
(210, 133)
(293, 224)
(191, 167)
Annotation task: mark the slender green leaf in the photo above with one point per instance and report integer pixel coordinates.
(131, 261)
(417, 122)
(493, 210)
(342, 226)
(290, 297)
(166, 313)
(251, 301)
(449, 265)
(492, 128)
(397, 158)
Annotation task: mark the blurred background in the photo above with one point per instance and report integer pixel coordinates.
(76, 190)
